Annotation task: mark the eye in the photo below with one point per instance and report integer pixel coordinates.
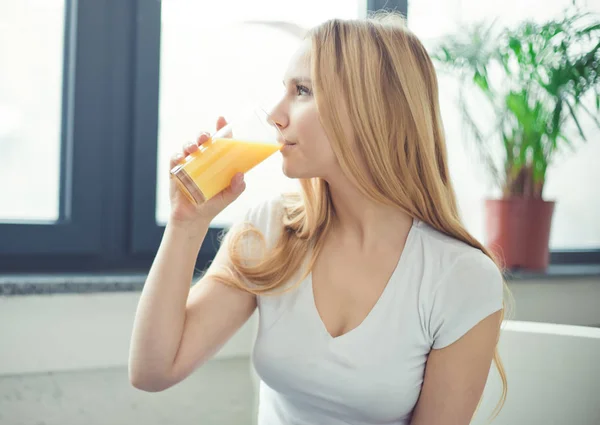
(302, 90)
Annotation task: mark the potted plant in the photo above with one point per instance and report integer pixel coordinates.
(538, 80)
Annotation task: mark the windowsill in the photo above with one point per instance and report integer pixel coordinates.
(47, 284)
(555, 272)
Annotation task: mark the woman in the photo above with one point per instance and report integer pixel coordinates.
(375, 304)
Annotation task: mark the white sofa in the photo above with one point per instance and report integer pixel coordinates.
(553, 376)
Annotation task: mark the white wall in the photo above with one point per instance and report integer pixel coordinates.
(79, 331)
(85, 338)
(87, 331)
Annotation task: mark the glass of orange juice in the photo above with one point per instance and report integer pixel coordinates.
(236, 148)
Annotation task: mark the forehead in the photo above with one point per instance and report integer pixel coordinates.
(299, 64)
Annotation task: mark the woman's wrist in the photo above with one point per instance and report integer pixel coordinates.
(196, 228)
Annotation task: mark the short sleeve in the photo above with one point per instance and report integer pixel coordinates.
(470, 291)
(261, 216)
(266, 217)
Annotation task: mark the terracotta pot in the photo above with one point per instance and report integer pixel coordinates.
(518, 231)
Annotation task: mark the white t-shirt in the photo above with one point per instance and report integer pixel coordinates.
(373, 374)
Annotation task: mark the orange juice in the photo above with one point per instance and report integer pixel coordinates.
(209, 170)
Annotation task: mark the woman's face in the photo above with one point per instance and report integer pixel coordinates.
(296, 116)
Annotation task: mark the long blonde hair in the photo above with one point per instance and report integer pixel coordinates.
(389, 86)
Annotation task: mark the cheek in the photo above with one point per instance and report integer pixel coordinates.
(306, 120)
(312, 136)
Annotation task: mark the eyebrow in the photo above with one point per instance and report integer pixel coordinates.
(298, 80)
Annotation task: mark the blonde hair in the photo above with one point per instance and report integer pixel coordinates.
(389, 86)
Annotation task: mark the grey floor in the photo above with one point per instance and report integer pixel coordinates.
(220, 392)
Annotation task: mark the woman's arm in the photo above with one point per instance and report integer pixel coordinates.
(176, 328)
(455, 376)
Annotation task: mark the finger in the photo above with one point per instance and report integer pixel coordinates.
(176, 159)
(221, 122)
(189, 148)
(203, 138)
(237, 181)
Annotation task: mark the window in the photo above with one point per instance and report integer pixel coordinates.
(576, 224)
(95, 97)
(30, 106)
(50, 139)
(73, 213)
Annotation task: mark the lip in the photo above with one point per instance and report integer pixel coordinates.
(285, 142)
(287, 146)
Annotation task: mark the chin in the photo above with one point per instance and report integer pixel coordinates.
(290, 174)
(293, 172)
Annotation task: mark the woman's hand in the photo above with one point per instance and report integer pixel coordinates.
(183, 211)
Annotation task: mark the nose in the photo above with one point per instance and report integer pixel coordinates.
(278, 118)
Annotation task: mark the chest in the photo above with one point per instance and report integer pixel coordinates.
(373, 372)
(347, 286)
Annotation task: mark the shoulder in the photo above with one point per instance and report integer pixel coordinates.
(460, 286)
(266, 215)
(448, 259)
(265, 211)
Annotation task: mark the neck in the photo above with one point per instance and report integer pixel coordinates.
(363, 223)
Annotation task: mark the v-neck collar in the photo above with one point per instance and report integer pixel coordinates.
(373, 312)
